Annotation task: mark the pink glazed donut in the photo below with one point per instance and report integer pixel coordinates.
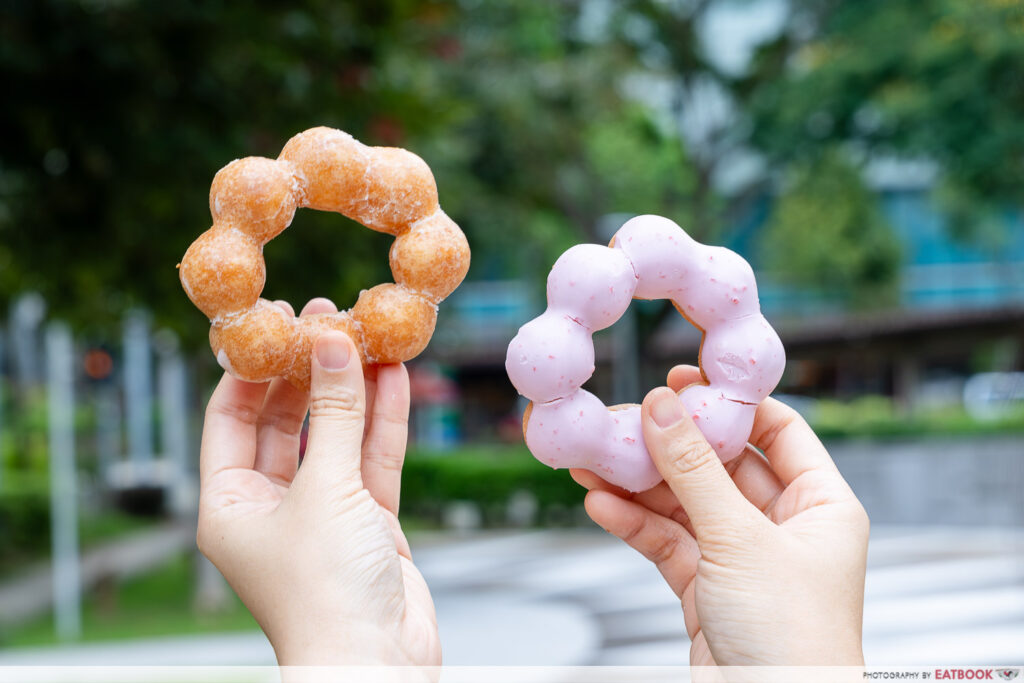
(589, 288)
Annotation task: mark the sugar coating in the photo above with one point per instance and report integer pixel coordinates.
(252, 200)
(223, 272)
(741, 356)
(396, 323)
(431, 258)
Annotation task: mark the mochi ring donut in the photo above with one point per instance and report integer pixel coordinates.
(589, 288)
(253, 199)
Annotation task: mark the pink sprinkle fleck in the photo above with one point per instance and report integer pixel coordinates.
(753, 362)
(721, 444)
(551, 357)
(629, 440)
(535, 368)
(735, 300)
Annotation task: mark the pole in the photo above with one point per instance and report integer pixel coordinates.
(174, 419)
(138, 388)
(63, 503)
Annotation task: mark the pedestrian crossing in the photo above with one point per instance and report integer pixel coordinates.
(944, 595)
(579, 597)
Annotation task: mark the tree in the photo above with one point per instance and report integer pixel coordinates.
(125, 111)
(826, 233)
(941, 80)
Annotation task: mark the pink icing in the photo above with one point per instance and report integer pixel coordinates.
(588, 289)
(551, 357)
(592, 284)
(577, 431)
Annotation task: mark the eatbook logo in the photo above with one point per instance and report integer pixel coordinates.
(1008, 674)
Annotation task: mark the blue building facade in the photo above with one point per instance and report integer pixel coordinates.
(940, 270)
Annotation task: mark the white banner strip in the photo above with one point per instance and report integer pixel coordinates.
(504, 674)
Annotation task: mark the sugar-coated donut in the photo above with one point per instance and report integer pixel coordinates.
(252, 200)
(589, 288)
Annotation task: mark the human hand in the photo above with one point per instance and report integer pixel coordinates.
(769, 565)
(316, 552)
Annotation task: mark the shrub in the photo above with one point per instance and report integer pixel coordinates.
(485, 475)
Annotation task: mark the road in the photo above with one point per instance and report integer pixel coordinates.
(935, 595)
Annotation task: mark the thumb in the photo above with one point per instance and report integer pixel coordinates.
(337, 405)
(690, 466)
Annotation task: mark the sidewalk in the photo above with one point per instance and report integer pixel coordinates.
(31, 593)
(935, 595)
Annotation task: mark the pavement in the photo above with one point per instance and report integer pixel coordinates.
(31, 592)
(934, 596)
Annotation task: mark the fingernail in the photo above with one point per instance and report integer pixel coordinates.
(332, 352)
(667, 411)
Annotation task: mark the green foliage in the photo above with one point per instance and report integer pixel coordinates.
(826, 231)
(638, 166)
(933, 79)
(485, 475)
(24, 519)
(878, 416)
(155, 604)
(126, 110)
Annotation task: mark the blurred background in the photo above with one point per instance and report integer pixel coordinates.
(866, 157)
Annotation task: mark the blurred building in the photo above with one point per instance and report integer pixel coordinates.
(959, 309)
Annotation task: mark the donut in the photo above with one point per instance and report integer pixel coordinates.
(589, 288)
(252, 200)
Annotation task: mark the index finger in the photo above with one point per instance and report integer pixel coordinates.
(682, 376)
(230, 427)
(789, 443)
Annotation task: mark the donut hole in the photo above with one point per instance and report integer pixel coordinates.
(336, 256)
(631, 381)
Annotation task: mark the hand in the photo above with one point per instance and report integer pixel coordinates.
(316, 552)
(769, 564)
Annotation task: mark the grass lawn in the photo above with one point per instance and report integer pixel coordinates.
(156, 604)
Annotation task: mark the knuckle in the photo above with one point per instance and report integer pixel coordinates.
(384, 458)
(687, 456)
(788, 416)
(399, 420)
(281, 421)
(340, 400)
(663, 549)
(634, 531)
